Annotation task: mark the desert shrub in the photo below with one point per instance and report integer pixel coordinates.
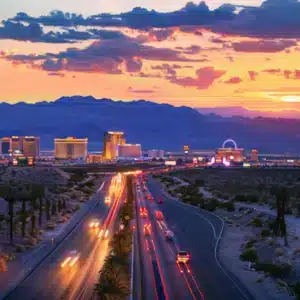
(275, 270)
(230, 206)
(249, 254)
(257, 222)
(265, 233)
(296, 290)
(20, 248)
(279, 251)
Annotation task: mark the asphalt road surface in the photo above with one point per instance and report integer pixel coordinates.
(197, 232)
(52, 281)
(161, 276)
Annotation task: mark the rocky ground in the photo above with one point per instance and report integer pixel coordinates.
(72, 197)
(35, 175)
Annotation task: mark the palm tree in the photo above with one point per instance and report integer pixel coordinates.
(48, 205)
(33, 224)
(59, 205)
(38, 193)
(8, 192)
(23, 216)
(113, 280)
(121, 244)
(53, 208)
(282, 198)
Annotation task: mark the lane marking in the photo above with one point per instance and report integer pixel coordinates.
(182, 204)
(44, 260)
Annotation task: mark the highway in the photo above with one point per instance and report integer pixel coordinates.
(197, 231)
(161, 276)
(194, 231)
(55, 279)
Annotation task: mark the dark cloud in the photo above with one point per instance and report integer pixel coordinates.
(33, 32)
(205, 77)
(267, 46)
(140, 18)
(161, 34)
(133, 65)
(234, 80)
(273, 19)
(196, 30)
(218, 41)
(55, 18)
(105, 56)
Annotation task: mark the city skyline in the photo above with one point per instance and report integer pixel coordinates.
(227, 60)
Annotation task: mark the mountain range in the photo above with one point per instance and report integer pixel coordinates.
(230, 111)
(151, 124)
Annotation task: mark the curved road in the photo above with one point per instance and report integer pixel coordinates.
(197, 231)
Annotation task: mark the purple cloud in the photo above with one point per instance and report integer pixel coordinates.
(205, 77)
(101, 57)
(267, 46)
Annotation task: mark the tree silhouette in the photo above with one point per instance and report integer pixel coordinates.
(282, 198)
(9, 193)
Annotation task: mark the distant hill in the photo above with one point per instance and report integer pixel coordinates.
(230, 111)
(151, 124)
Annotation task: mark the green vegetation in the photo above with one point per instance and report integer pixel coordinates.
(275, 270)
(249, 254)
(296, 290)
(114, 277)
(257, 222)
(265, 233)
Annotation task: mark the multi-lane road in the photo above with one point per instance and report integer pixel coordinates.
(54, 280)
(195, 231)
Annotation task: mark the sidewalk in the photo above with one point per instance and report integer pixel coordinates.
(26, 263)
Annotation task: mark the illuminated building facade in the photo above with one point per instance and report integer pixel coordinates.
(31, 146)
(19, 160)
(156, 153)
(227, 156)
(17, 143)
(5, 146)
(71, 148)
(254, 155)
(94, 159)
(129, 151)
(231, 154)
(111, 141)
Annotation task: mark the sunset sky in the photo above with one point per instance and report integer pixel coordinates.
(245, 53)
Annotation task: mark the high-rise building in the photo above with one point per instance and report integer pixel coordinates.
(5, 145)
(111, 141)
(129, 151)
(156, 153)
(254, 155)
(70, 148)
(31, 146)
(17, 143)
